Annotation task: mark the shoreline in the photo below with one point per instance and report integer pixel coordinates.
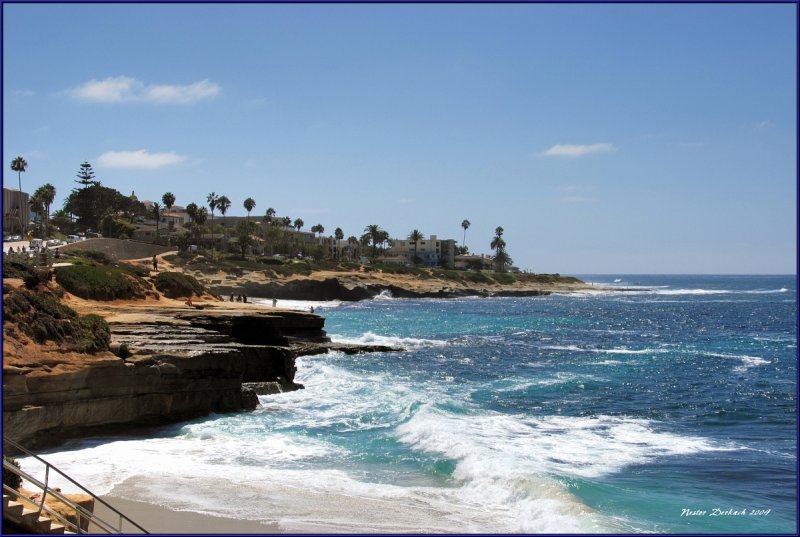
(158, 519)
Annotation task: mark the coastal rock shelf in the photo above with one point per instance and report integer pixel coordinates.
(168, 364)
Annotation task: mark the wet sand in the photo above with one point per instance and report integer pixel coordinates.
(157, 519)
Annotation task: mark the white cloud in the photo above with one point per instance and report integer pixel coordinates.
(126, 89)
(138, 159)
(571, 150)
(764, 125)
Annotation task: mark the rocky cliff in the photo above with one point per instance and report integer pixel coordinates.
(168, 363)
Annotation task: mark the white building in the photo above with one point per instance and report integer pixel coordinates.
(430, 252)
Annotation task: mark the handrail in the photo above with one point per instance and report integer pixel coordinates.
(75, 528)
(93, 518)
(80, 512)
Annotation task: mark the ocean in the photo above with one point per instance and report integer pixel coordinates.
(669, 408)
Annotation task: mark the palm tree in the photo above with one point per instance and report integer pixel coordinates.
(249, 205)
(36, 204)
(191, 210)
(156, 215)
(169, 200)
(298, 223)
(318, 229)
(373, 233)
(501, 257)
(269, 215)
(212, 199)
(223, 204)
(352, 242)
(47, 194)
(415, 236)
(465, 224)
(339, 234)
(19, 165)
(201, 215)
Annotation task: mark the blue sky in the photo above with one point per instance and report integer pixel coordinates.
(602, 138)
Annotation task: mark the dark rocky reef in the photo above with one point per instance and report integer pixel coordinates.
(334, 289)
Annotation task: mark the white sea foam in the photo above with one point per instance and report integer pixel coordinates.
(510, 462)
(300, 305)
(370, 338)
(504, 447)
(747, 361)
(575, 348)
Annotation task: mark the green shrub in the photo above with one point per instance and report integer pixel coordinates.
(99, 257)
(504, 278)
(135, 270)
(478, 277)
(10, 479)
(99, 282)
(95, 334)
(15, 269)
(36, 276)
(177, 284)
(269, 261)
(49, 304)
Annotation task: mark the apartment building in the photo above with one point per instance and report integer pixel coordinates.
(431, 252)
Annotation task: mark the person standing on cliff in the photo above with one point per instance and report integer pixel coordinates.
(155, 263)
(274, 302)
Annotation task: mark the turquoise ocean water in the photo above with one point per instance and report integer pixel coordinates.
(669, 409)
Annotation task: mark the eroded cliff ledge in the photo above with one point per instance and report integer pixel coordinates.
(170, 362)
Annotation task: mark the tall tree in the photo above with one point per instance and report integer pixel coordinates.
(19, 165)
(156, 215)
(352, 243)
(212, 199)
(223, 204)
(339, 234)
(36, 205)
(415, 236)
(501, 256)
(319, 228)
(191, 210)
(269, 215)
(85, 176)
(375, 235)
(169, 200)
(47, 194)
(244, 235)
(249, 205)
(465, 224)
(298, 223)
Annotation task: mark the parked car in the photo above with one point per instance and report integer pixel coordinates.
(35, 244)
(72, 238)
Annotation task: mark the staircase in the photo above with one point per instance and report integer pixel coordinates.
(33, 515)
(29, 520)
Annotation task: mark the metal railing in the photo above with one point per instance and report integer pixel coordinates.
(81, 512)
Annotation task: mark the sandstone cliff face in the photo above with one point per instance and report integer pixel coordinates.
(171, 365)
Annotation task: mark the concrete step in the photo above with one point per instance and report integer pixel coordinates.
(31, 521)
(6, 499)
(13, 509)
(57, 529)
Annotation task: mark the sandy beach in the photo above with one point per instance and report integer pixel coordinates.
(158, 519)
